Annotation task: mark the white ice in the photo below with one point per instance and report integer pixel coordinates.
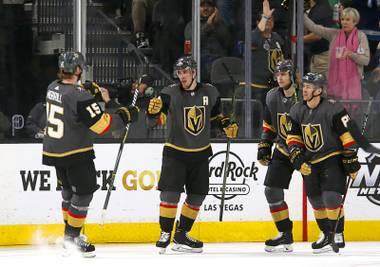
(358, 254)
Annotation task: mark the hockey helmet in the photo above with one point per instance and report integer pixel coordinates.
(314, 78)
(284, 66)
(184, 63)
(68, 61)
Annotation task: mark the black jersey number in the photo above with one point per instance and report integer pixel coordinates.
(57, 130)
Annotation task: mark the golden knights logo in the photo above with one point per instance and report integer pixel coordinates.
(312, 136)
(194, 119)
(275, 56)
(284, 125)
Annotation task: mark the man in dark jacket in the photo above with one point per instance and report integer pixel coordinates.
(216, 40)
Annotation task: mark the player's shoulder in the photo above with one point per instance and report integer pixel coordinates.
(210, 88)
(298, 106)
(273, 92)
(53, 85)
(333, 105)
(170, 88)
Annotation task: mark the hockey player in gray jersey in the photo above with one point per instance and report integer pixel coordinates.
(188, 108)
(279, 100)
(73, 115)
(319, 139)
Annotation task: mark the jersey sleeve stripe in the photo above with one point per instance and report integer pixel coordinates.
(347, 140)
(294, 140)
(267, 127)
(103, 124)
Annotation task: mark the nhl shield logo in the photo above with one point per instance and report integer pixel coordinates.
(194, 119)
(312, 136)
(284, 125)
(368, 180)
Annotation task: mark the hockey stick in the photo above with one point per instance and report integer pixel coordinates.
(226, 161)
(348, 183)
(112, 178)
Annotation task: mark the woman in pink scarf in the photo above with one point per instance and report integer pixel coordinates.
(348, 53)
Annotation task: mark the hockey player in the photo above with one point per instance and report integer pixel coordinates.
(279, 100)
(72, 116)
(188, 107)
(319, 139)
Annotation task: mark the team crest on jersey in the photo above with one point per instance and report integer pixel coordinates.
(312, 136)
(275, 56)
(284, 125)
(194, 119)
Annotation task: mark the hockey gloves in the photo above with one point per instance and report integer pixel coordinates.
(297, 158)
(94, 89)
(155, 106)
(351, 164)
(229, 127)
(128, 114)
(264, 152)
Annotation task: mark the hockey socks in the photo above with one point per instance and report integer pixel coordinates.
(188, 215)
(332, 214)
(320, 215)
(280, 215)
(168, 213)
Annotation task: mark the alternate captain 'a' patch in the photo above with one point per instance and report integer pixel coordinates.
(312, 136)
(194, 119)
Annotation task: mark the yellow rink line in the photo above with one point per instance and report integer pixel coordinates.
(205, 231)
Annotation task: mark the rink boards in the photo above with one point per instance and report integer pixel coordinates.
(30, 198)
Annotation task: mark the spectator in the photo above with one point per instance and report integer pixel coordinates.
(317, 48)
(370, 25)
(141, 9)
(216, 40)
(282, 17)
(36, 121)
(168, 24)
(348, 53)
(373, 84)
(266, 53)
(226, 8)
(5, 125)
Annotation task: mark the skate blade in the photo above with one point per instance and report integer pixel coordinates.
(88, 254)
(161, 250)
(186, 249)
(279, 249)
(323, 250)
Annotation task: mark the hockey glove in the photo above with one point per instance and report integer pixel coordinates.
(264, 152)
(155, 105)
(128, 114)
(94, 89)
(350, 163)
(230, 128)
(297, 158)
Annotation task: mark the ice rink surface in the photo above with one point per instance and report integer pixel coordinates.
(358, 254)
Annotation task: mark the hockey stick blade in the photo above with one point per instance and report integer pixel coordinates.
(360, 139)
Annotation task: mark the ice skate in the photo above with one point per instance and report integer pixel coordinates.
(78, 244)
(323, 244)
(339, 240)
(281, 243)
(184, 243)
(163, 242)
